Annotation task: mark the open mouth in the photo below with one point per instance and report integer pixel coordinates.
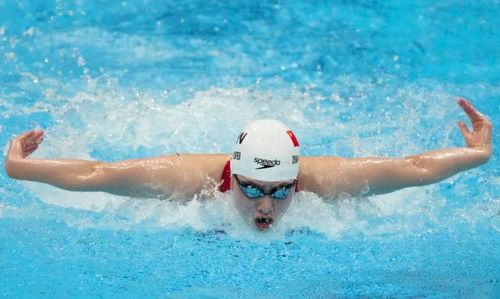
(263, 222)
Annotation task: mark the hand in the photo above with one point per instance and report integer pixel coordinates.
(24, 145)
(480, 137)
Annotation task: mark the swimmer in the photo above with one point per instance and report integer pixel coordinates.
(263, 172)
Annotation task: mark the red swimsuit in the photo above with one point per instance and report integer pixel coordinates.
(225, 178)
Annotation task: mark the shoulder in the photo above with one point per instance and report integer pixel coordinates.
(316, 174)
(191, 174)
(308, 164)
(209, 163)
(313, 166)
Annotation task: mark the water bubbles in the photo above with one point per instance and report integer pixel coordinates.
(9, 56)
(139, 121)
(32, 77)
(80, 61)
(49, 93)
(29, 32)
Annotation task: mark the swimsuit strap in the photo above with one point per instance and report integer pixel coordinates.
(225, 177)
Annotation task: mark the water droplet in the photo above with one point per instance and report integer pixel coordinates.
(29, 32)
(9, 55)
(81, 61)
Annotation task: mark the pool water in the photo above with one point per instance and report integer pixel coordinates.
(129, 79)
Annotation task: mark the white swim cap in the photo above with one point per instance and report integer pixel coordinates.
(266, 150)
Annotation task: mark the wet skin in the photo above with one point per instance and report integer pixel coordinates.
(261, 212)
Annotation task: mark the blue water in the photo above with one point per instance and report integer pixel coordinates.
(130, 79)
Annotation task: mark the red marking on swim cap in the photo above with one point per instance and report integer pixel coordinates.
(294, 139)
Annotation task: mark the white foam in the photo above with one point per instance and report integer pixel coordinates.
(123, 120)
(477, 213)
(373, 216)
(90, 201)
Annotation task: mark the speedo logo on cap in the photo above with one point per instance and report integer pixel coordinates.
(266, 163)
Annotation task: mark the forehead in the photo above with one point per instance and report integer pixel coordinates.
(264, 183)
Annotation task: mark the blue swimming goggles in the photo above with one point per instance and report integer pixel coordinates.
(255, 192)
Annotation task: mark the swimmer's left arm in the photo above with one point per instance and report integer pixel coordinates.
(368, 176)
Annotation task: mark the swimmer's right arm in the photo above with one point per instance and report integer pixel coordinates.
(183, 175)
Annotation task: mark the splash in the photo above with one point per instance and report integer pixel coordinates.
(109, 122)
(404, 212)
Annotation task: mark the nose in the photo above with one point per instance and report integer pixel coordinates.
(265, 205)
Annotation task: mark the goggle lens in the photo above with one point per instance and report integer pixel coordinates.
(254, 192)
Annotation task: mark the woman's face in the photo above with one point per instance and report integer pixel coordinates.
(262, 212)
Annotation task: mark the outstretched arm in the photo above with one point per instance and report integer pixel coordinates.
(153, 177)
(331, 177)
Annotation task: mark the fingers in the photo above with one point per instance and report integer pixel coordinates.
(463, 128)
(25, 135)
(480, 134)
(472, 113)
(38, 137)
(479, 121)
(31, 142)
(26, 143)
(31, 147)
(32, 136)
